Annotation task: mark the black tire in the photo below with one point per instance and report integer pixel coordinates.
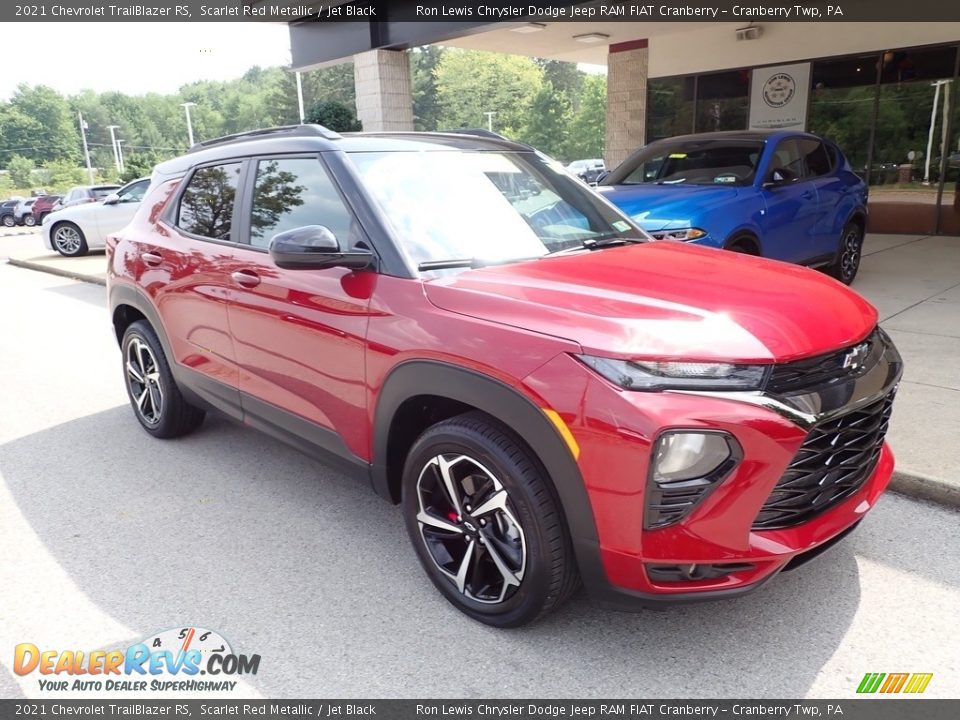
(743, 245)
(155, 398)
(528, 536)
(847, 262)
(8, 221)
(40, 218)
(68, 239)
(29, 220)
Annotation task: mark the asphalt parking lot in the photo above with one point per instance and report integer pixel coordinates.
(108, 535)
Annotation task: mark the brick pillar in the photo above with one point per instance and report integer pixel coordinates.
(626, 100)
(384, 98)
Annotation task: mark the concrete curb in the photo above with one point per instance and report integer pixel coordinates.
(921, 487)
(57, 271)
(912, 485)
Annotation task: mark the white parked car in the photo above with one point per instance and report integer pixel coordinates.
(75, 230)
(23, 213)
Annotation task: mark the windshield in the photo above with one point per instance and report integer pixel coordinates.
(693, 163)
(489, 206)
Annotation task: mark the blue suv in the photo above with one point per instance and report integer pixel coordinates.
(784, 195)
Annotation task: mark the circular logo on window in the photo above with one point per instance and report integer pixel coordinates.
(779, 90)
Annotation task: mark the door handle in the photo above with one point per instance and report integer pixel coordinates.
(246, 278)
(151, 259)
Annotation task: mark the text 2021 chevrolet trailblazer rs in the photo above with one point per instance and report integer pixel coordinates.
(548, 396)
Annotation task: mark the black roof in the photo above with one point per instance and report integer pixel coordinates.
(316, 138)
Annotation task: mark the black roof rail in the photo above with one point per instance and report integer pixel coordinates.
(307, 130)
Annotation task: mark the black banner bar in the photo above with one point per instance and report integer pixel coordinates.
(858, 709)
(482, 11)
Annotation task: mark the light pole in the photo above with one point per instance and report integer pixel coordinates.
(300, 97)
(490, 115)
(113, 144)
(86, 150)
(120, 153)
(933, 121)
(186, 109)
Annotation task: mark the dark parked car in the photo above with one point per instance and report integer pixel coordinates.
(548, 395)
(44, 206)
(86, 194)
(779, 194)
(590, 171)
(8, 211)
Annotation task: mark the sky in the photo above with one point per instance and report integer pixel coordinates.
(135, 58)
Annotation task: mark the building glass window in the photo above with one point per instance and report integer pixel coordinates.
(669, 107)
(723, 101)
(910, 134)
(841, 106)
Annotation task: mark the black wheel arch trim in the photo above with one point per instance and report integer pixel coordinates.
(196, 387)
(507, 405)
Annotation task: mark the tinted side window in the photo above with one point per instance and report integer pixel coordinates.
(294, 192)
(818, 162)
(206, 207)
(788, 156)
(134, 193)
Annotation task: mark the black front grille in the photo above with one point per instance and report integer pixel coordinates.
(837, 457)
(811, 372)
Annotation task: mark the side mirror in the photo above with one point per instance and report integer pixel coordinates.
(111, 199)
(602, 176)
(780, 176)
(314, 247)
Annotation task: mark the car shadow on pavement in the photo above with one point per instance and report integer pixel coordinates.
(232, 531)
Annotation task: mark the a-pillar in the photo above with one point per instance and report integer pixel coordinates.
(627, 64)
(384, 97)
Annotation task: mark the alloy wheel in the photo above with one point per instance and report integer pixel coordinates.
(850, 259)
(29, 220)
(8, 221)
(470, 529)
(143, 379)
(67, 239)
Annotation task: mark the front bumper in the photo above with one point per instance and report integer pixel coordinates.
(614, 430)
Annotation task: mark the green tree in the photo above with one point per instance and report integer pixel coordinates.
(548, 121)
(470, 83)
(565, 77)
(61, 174)
(426, 107)
(21, 170)
(588, 127)
(333, 115)
(56, 135)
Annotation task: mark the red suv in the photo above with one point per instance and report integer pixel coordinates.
(550, 397)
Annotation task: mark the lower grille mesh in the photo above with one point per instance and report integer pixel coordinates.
(834, 461)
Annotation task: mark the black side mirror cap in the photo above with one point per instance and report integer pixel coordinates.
(314, 247)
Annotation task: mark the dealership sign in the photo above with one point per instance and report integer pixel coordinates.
(778, 97)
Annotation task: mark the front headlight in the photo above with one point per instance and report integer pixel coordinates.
(683, 234)
(678, 375)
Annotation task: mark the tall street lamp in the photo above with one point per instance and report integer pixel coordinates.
(186, 109)
(120, 153)
(113, 144)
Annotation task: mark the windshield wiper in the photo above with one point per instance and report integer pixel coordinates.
(427, 265)
(598, 242)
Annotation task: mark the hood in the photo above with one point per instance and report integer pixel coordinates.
(666, 300)
(664, 207)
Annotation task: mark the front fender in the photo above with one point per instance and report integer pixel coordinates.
(510, 407)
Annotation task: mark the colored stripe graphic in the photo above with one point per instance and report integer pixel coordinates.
(894, 683)
(918, 682)
(870, 682)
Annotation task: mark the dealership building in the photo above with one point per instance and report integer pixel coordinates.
(886, 92)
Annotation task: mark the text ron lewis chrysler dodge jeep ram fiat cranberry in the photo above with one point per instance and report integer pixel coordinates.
(548, 396)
